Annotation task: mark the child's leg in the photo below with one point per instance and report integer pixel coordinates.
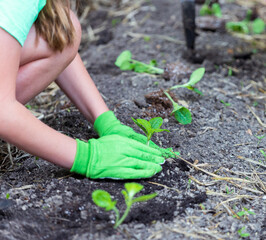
(40, 66)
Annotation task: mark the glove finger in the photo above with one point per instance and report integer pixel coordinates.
(140, 164)
(145, 148)
(147, 157)
(131, 173)
(138, 137)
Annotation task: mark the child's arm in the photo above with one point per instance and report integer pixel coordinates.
(79, 87)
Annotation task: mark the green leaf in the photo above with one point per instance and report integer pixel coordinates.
(197, 91)
(126, 65)
(133, 188)
(258, 26)
(146, 125)
(145, 198)
(124, 192)
(160, 130)
(183, 115)
(156, 122)
(240, 27)
(103, 199)
(241, 213)
(241, 234)
(125, 56)
(153, 63)
(140, 124)
(194, 90)
(140, 68)
(196, 76)
(205, 10)
(216, 9)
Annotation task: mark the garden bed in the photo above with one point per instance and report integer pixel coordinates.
(221, 169)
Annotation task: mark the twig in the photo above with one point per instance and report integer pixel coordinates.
(258, 119)
(158, 184)
(163, 37)
(239, 197)
(201, 183)
(246, 188)
(251, 161)
(195, 233)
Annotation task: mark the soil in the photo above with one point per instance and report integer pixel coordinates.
(47, 202)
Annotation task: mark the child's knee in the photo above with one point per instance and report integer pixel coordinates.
(78, 31)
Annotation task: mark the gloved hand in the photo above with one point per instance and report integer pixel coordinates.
(116, 157)
(108, 124)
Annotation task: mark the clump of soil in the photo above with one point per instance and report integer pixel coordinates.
(160, 105)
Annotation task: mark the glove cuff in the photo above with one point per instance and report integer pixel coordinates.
(104, 122)
(82, 158)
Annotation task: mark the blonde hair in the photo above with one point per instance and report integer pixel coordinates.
(54, 24)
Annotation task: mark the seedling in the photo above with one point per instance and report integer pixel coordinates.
(247, 26)
(195, 77)
(263, 153)
(125, 62)
(189, 184)
(245, 212)
(208, 9)
(242, 234)
(103, 199)
(225, 103)
(150, 127)
(228, 191)
(182, 114)
(230, 72)
(7, 196)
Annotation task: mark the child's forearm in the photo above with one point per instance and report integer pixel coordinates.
(79, 87)
(21, 128)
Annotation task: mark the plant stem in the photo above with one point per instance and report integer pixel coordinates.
(170, 98)
(154, 69)
(124, 216)
(117, 214)
(176, 86)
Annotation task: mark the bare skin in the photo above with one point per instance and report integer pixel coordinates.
(24, 73)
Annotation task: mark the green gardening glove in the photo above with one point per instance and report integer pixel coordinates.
(116, 157)
(108, 124)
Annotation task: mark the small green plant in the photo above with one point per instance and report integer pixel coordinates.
(242, 234)
(225, 103)
(125, 62)
(245, 212)
(146, 38)
(247, 26)
(230, 72)
(103, 199)
(115, 21)
(195, 77)
(7, 196)
(211, 9)
(228, 191)
(263, 153)
(182, 114)
(189, 183)
(150, 127)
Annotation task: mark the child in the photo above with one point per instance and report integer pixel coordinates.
(39, 42)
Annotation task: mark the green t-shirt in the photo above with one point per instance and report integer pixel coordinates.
(17, 16)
